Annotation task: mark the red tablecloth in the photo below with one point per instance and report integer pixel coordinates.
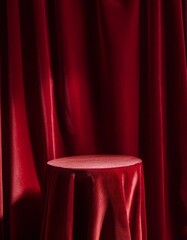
(94, 197)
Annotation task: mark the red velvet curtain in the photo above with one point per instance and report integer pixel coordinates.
(92, 77)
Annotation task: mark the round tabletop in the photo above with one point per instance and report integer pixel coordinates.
(94, 161)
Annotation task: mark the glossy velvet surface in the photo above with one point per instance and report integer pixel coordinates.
(94, 197)
(93, 77)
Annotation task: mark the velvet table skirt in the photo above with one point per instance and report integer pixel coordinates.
(93, 198)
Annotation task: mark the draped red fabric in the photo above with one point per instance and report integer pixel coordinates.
(92, 77)
(102, 198)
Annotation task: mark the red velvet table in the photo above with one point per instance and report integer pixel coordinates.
(93, 198)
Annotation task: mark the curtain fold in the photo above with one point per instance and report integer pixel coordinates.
(93, 77)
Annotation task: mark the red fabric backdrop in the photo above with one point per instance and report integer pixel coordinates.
(88, 77)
